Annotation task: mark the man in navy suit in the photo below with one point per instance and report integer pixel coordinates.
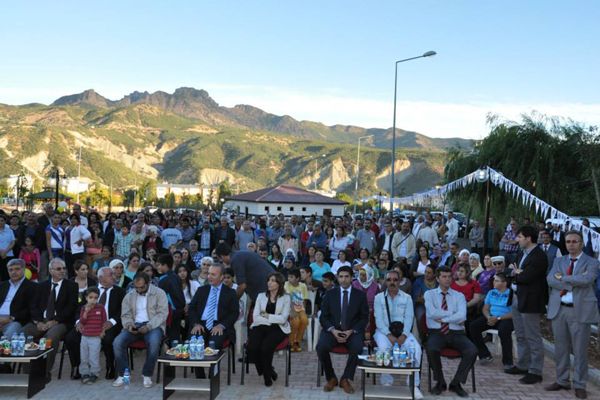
(344, 316)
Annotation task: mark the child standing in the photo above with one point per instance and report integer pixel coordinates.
(298, 319)
(31, 255)
(91, 324)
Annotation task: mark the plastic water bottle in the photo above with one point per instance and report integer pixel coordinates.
(396, 356)
(192, 347)
(411, 353)
(22, 344)
(200, 348)
(14, 345)
(126, 379)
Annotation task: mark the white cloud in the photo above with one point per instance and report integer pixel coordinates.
(332, 106)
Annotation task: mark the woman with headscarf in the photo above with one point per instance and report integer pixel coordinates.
(475, 265)
(367, 283)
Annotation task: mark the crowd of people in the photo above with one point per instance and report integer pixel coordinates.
(99, 283)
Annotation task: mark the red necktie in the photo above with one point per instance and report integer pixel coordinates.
(569, 272)
(444, 328)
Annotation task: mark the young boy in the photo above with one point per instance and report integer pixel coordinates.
(298, 319)
(328, 280)
(91, 321)
(123, 241)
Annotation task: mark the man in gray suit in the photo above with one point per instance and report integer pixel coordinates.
(573, 308)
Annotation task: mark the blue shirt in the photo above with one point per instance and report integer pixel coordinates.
(317, 272)
(205, 312)
(498, 301)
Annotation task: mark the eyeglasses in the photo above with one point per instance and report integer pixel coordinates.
(391, 280)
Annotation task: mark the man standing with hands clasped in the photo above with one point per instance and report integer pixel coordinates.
(528, 306)
(572, 308)
(344, 316)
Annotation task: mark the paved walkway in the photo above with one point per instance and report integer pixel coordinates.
(492, 383)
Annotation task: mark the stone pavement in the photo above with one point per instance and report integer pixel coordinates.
(492, 383)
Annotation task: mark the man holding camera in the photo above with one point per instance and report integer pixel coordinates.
(394, 320)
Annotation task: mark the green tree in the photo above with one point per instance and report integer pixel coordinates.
(540, 154)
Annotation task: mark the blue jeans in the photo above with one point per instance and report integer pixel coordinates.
(153, 340)
(11, 328)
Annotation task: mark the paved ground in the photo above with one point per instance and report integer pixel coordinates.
(492, 383)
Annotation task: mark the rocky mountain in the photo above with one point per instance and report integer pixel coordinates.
(186, 137)
(198, 104)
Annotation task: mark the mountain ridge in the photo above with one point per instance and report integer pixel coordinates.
(198, 104)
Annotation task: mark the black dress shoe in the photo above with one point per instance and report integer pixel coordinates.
(75, 375)
(268, 380)
(580, 393)
(274, 375)
(456, 388)
(515, 371)
(530, 379)
(110, 374)
(438, 389)
(554, 387)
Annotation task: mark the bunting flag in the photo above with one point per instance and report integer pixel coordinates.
(542, 208)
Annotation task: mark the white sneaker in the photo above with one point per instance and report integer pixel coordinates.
(418, 394)
(147, 381)
(118, 382)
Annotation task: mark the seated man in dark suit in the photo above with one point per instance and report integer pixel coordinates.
(56, 306)
(213, 311)
(344, 316)
(17, 299)
(111, 297)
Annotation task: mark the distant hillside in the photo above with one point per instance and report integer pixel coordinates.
(198, 104)
(186, 137)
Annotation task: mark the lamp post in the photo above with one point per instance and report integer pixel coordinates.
(483, 175)
(392, 191)
(358, 170)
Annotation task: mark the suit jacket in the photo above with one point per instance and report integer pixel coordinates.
(23, 305)
(227, 311)
(331, 310)
(381, 242)
(65, 305)
(230, 236)
(560, 243)
(213, 238)
(532, 289)
(281, 316)
(581, 283)
(550, 254)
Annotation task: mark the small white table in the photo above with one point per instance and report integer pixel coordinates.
(35, 379)
(212, 385)
(387, 392)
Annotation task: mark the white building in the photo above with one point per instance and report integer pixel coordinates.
(164, 189)
(285, 199)
(13, 180)
(72, 185)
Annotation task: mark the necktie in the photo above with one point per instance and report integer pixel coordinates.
(50, 309)
(569, 272)
(444, 328)
(211, 306)
(103, 296)
(344, 309)
(546, 248)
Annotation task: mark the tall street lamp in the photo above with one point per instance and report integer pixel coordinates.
(392, 192)
(483, 175)
(358, 170)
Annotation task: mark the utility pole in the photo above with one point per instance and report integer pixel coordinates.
(79, 174)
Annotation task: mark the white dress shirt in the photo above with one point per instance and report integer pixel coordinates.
(454, 316)
(141, 308)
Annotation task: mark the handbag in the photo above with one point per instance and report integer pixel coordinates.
(396, 327)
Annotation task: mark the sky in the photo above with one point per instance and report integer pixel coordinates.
(328, 61)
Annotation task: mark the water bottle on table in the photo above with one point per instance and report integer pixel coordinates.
(201, 348)
(396, 356)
